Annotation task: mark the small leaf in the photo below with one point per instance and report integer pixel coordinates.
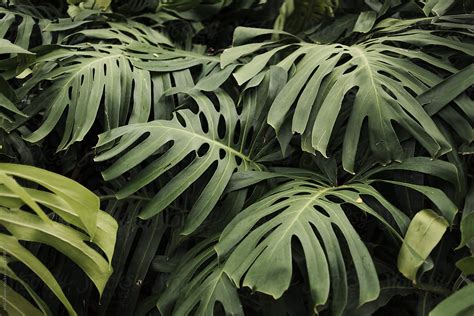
(466, 265)
(424, 233)
(365, 22)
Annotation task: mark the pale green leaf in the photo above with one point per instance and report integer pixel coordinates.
(424, 233)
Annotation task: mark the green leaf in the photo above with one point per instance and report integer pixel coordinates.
(383, 84)
(7, 271)
(80, 82)
(460, 303)
(212, 148)
(75, 205)
(10, 245)
(447, 90)
(439, 7)
(466, 265)
(6, 47)
(424, 232)
(80, 200)
(199, 282)
(25, 22)
(467, 220)
(260, 251)
(365, 21)
(15, 304)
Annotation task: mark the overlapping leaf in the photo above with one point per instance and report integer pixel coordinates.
(259, 240)
(209, 136)
(197, 284)
(7, 94)
(26, 27)
(301, 209)
(82, 79)
(382, 76)
(25, 215)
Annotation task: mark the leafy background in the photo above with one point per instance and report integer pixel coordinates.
(214, 157)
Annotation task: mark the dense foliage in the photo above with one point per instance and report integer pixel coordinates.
(220, 157)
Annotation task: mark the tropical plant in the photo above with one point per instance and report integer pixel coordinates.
(74, 219)
(277, 157)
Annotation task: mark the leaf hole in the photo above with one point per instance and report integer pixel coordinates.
(222, 153)
(237, 132)
(204, 122)
(249, 137)
(350, 69)
(221, 127)
(204, 149)
(388, 75)
(411, 92)
(321, 211)
(389, 92)
(180, 119)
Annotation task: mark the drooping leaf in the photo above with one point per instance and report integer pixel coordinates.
(15, 304)
(381, 75)
(424, 233)
(75, 205)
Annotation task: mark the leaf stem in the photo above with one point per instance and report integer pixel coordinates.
(433, 289)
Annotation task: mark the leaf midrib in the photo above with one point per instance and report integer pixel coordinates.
(366, 64)
(207, 140)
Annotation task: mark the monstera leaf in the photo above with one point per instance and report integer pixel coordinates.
(81, 80)
(7, 94)
(25, 26)
(31, 215)
(215, 141)
(383, 77)
(199, 282)
(124, 83)
(258, 242)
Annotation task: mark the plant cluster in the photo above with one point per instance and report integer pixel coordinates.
(224, 157)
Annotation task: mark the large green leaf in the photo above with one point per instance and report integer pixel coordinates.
(75, 205)
(259, 240)
(82, 80)
(261, 251)
(383, 77)
(209, 137)
(127, 82)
